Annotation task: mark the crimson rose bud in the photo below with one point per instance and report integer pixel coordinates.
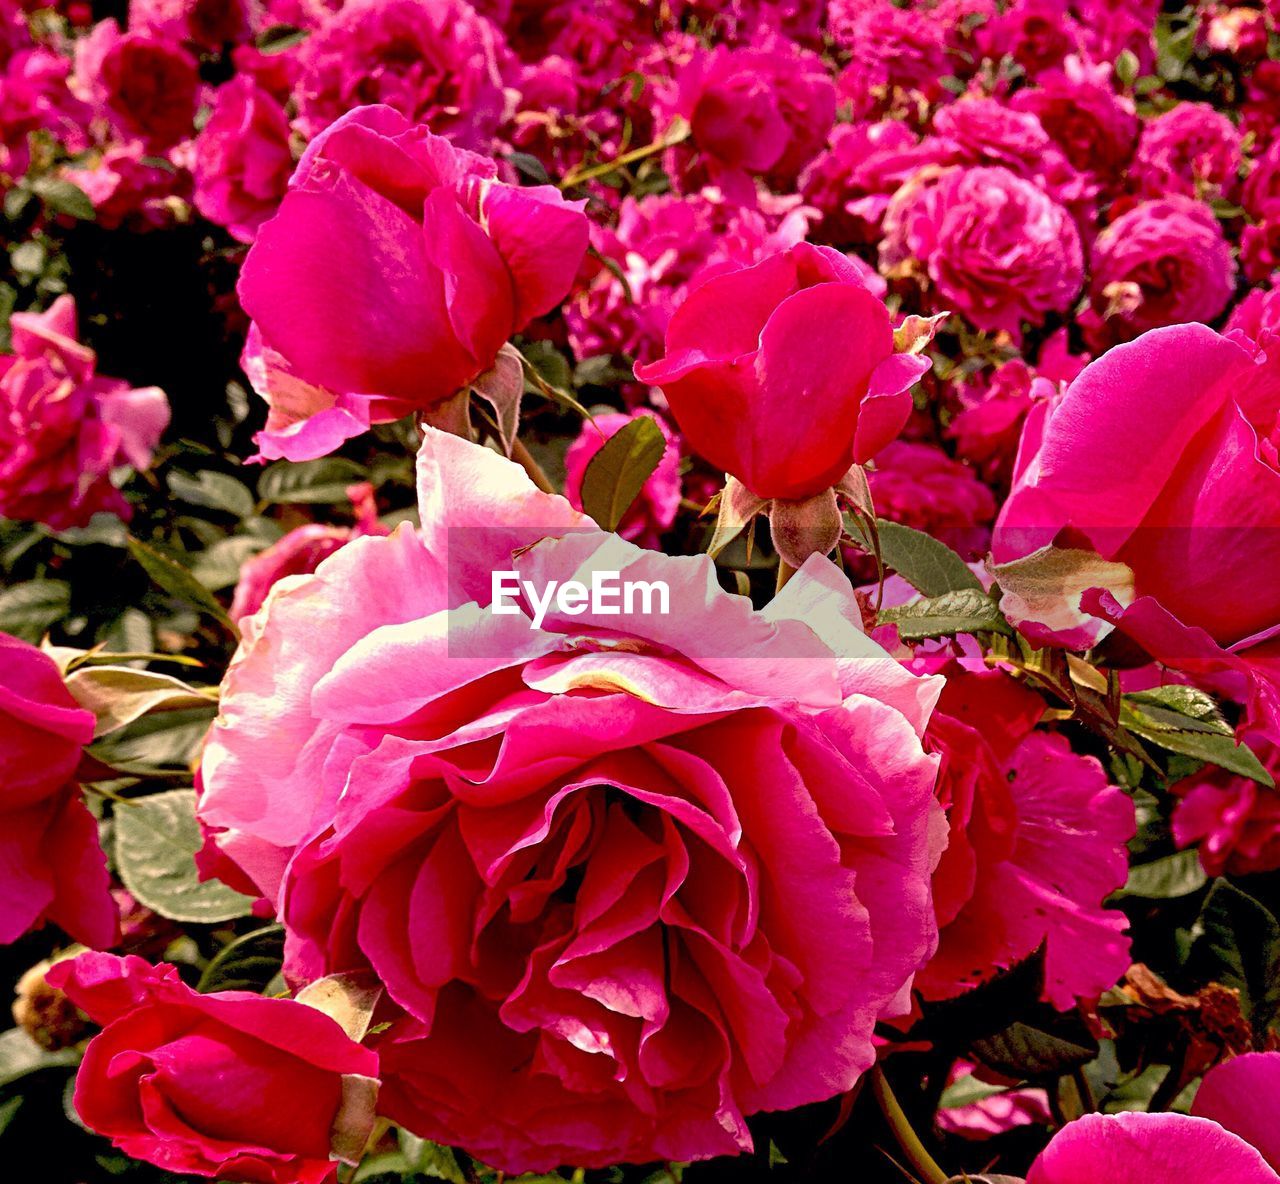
(784, 374)
(229, 1085)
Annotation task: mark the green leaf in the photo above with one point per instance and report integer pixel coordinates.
(1026, 1051)
(927, 565)
(311, 482)
(966, 611)
(156, 840)
(118, 695)
(967, 1090)
(430, 1159)
(178, 581)
(616, 474)
(20, 1055)
(214, 491)
(1166, 878)
(63, 197)
(28, 610)
(1177, 709)
(218, 567)
(1212, 748)
(163, 744)
(247, 964)
(1239, 946)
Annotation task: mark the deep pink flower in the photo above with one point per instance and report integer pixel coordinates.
(654, 510)
(1234, 821)
(229, 1085)
(208, 24)
(649, 873)
(998, 248)
(1196, 509)
(920, 486)
(784, 374)
(1229, 1135)
(1038, 841)
(301, 551)
(1191, 149)
(148, 85)
(393, 273)
(51, 866)
(892, 49)
(437, 62)
(760, 111)
(1163, 262)
(34, 97)
(1037, 34)
(63, 428)
(242, 159)
(997, 1112)
(128, 185)
(1096, 129)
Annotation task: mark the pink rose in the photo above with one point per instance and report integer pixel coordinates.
(998, 248)
(1229, 1135)
(1234, 821)
(51, 866)
(148, 85)
(1163, 262)
(301, 551)
(629, 878)
(1038, 841)
(436, 62)
(1095, 128)
(759, 111)
(783, 374)
(34, 97)
(242, 159)
(1196, 509)
(395, 270)
(129, 186)
(63, 428)
(655, 509)
(920, 486)
(1191, 149)
(228, 1085)
(892, 49)
(208, 24)
(1037, 34)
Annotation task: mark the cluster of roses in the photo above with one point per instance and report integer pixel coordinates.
(607, 888)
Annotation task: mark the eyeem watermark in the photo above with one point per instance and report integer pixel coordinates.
(608, 595)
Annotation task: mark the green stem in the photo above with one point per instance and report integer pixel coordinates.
(524, 458)
(920, 1160)
(677, 135)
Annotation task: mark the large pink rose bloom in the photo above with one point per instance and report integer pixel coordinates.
(759, 111)
(242, 159)
(1196, 509)
(51, 866)
(784, 374)
(1037, 842)
(998, 248)
(1230, 1134)
(63, 428)
(1191, 149)
(1163, 262)
(628, 878)
(435, 61)
(393, 273)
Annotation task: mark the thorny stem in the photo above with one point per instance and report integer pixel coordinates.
(919, 1159)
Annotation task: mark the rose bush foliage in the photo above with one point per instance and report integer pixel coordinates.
(928, 825)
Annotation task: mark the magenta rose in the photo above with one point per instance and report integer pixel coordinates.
(1230, 1134)
(999, 249)
(149, 86)
(784, 374)
(658, 502)
(228, 1085)
(1191, 149)
(1037, 842)
(242, 159)
(758, 111)
(63, 428)
(1164, 262)
(628, 878)
(1196, 509)
(395, 270)
(437, 62)
(208, 24)
(51, 866)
